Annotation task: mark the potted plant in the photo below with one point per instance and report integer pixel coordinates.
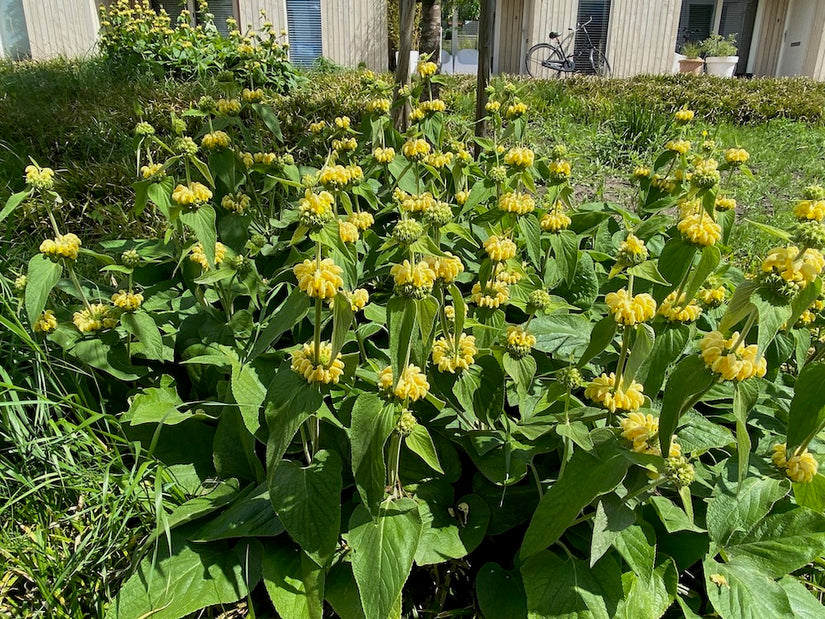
(691, 63)
(720, 54)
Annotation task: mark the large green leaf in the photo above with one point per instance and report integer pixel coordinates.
(202, 223)
(612, 517)
(480, 389)
(13, 202)
(284, 581)
(250, 515)
(440, 539)
(143, 327)
(771, 319)
(739, 507)
(249, 394)
(690, 379)
(372, 424)
(421, 443)
(641, 347)
(738, 590)
(500, 593)
(811, 494)
(42, 276)
(284, 318)
(156, 405)
(670, 342)
(649, 597)
(308, 502)
(342, 592)
(565, 335)
(804, 603)
(601, 337)
(192, 577)
(383, 552)
(564, 587)
(807, 414)
(676, 258)
(401, 318)
(708, 262)
(588, 475)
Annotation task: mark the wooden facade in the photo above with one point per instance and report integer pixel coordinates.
(61, 27)
(641, 35)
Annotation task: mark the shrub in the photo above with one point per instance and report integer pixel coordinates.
(406, 367)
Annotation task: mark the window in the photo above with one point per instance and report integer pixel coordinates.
(738, 17)
(221, 9)
(597, 13)
(695, 21)
(304, 21)
(14, 36)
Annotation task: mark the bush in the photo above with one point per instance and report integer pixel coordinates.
(398, 367)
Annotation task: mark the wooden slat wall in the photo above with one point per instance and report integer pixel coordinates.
(249, 14)
(770, 37)
(547, 15)
(61, 27)
(355, 31)
(641, 36)
(814, 62)
(510, 35)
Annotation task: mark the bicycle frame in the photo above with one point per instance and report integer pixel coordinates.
(568, 64)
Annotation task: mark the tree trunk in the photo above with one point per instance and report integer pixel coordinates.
(431, 33)
(485, 56)
(406, 26)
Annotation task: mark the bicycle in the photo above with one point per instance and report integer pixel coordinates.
(554, 57)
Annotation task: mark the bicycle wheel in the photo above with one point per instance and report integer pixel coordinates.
(544, 60)
(599, 63)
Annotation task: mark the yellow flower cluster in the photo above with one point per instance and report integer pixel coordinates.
(345, 144)
(361, 220)
(712, 297)
(384, 155)
(603, 390)
(494, 295)
(380, 105)
(416, 149)
(237, 203)
(516, 110)
(432, 106)
(193, 195)
(412, 385)
(461, 197)
(438, 160)
(265, 158)
(252, 96)
(412, 278)
(417, 203)
(519, 341)
(228, 107)
(740, 364)
(684, 115)
(641, 172)
(446, 268)
(94, 318)
(339, 176)
(199, 256)
(493, 106)
(736, 155)
(555, 221)
(215, 140)
(451, 358)
(127, 301)
(783, 260)
(500, 248)
(39, 178)
(643, 433)
(628, 310)
(519, 157)
(320, 370)
(672, 309)
(800, 468)
(347, 231)
(725, 204)
(700, 229)
(45, 323)
(517, 202)
(321, 281)
(153, 170)
(317, 127)
(559, 170)
(810, 210)
(507, 276)
(342, 122)
(358, 298)
(678, 146)
(427, 69)
(63, 246)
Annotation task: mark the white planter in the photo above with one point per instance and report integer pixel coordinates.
(722, 66)
(413, 61)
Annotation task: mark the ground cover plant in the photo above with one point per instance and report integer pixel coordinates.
(394, 377)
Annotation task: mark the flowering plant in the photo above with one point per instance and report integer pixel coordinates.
(374, 367)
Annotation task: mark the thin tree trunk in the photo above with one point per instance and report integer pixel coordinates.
(431, 34)
(406, 25)
(485, 56)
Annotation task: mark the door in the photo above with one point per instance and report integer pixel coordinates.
(738, 17)
(797, 34)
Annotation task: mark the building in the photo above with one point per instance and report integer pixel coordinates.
(348, 32)
(775, 37)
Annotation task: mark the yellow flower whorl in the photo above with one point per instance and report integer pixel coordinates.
(603, 390)
(320, 370)
(628, 310)
(451, 358)
(127, 301)
(740, 364)
(45, 323)
(320, 281)
(62, 246)
(800, 468)
(700, 229)
(412, 385)
(673, 310)
(499, 248)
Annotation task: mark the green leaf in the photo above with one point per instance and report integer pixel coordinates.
(675, 260)
(421, 443)
(13, 202)
(288, 315)
(640, 350)
(460, 308)
(812, 494)
(202, 223)
(401, 318)
(565, 246)
(709, 260)
(807, 413)
(341, 320)
(250, 515)
(649, 597)
(698, 434)
(771, 319)
(193, 577)
(480, 389)
(738, 507)
(342, 592)
(745, 395)
(530, 231)
(440, 539)
(161, 194)
(771, 230)
(521, 370)
(284, 580)
(156, 405)
(588, 475)
(42, 275)
(612, 517)
(111, 359)
(601, 337)
(637, 550)
(740, 305)
(564, 335)
(383, 552)
(308, 502)
(222, 494)
(249, 394)
(744, 592)
(670, 342)
(690, 379)
(577, 432)
(672, 516)
(570, 588)
(426, 313)
(804, 603)
(500, 593)
(372, 424)
(648, 271)
(143, 327)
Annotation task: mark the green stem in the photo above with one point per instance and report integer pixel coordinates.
(76, 282)
(394, 462)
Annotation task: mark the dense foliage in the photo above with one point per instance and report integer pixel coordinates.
(398, 377)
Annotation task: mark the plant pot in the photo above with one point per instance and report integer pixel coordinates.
(691, 65)
(722, 66)
(677, 57)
